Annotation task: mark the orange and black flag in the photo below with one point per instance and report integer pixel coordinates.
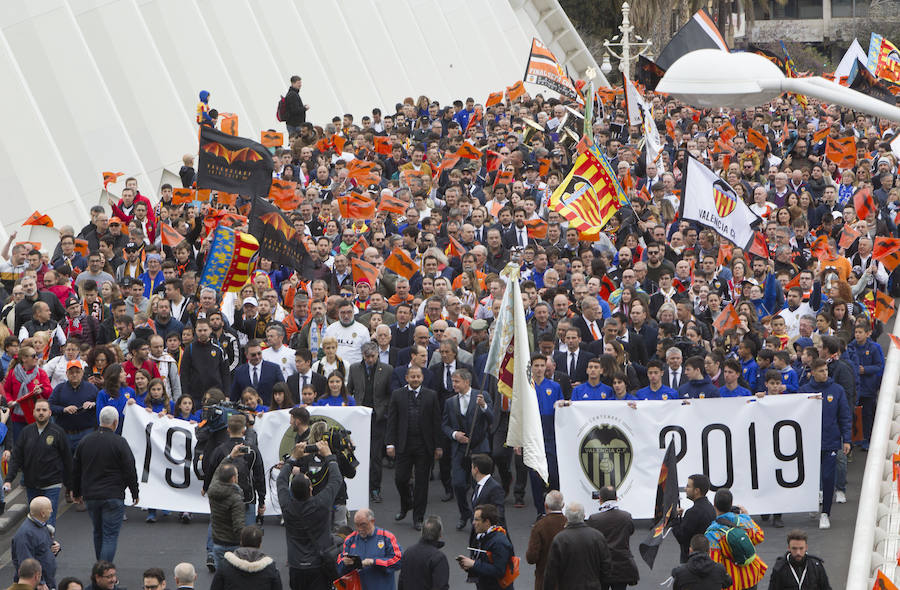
(350, 581)
(537, 229)
(515, 91)
(400, 262)
(383, 145)
(884, 307)
(338, 142)
(848, 236)
(284, 194)
(181, 196)
(169, 235)
(228, 123)
(223, 199)
(882, 582)
(447, 163)
(727, 131)
(271, 139)
(726, 320)
(454, 248)
(666, 507)
(821, 134)
(492, 161)
(362, 172)
(757, 138)
(233, 164)
(504, 177)
(393, 204)
(359, 248)
(759, 246)
(323, 145)
(820, 248)
(278, 241)
(469, 151)
(354, 206)
(544, 166)
(863, 202)
(494, 98)
(38, 218)
(841, 151)
(111, 177)
(887, 252)
(363, 270)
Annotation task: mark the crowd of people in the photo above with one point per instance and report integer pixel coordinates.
(111, 316)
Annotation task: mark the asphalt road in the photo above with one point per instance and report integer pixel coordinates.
(168, 542)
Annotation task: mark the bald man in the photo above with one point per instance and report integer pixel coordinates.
(34, 540)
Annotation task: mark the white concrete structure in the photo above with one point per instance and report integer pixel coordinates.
(112, 85)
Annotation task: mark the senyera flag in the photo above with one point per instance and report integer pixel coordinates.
(543, 69)
(712, 202)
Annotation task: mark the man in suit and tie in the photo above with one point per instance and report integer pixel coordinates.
(674, 375)
(402, 331)
(517, 235)
(487, 489)
(305, 376)
(369, 382)
(256, 373)
(588, 323)
(573, 362)
(418, 357)
(440, 380)
(387, 354)
(466, 420)
(615, 328)
(413, 438)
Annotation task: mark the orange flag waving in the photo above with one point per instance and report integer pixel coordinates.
(182, 195)
(727, 131)
(469, 151)
(515, 91)
(757, 138)
(284, 194)
(841, 151)
(537, 229)
(504, 177)
(363, 270)
(820, 134)
(38, 218)
(884, 307)
(392, 204)
(820, 248)
(863, 202)
(887, 252)
(494, 98)
(169, 235)
(400, 262)
(111, 177)
(354, 206)
(848, 236)
(882, 582)
(454, 248)
(338, 142)
(271, 139)
(726, 320)
(361, 171)
(382, 145)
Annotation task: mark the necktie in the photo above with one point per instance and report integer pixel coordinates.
(448, 383)
(303, 384)
(674, 379)
(593, 330)
(255, 376)
(521, 239)
(571, 364)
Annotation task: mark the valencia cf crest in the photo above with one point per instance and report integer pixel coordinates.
(725, 198)
(606, 455)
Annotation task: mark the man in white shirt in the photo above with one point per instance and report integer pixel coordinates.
(277, 352)
(674, 376)
(796, 309)
(350, 334)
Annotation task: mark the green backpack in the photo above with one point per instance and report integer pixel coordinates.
(742, 550)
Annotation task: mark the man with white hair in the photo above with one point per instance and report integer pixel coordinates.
(103, 468)
(577, 553)
(185, 576)
(34, 539)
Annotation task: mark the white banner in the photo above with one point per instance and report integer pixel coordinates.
(766, 451)
(164, 451)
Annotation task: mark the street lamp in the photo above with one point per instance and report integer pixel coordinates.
(627, 43)
(606, 67)
(712, 78)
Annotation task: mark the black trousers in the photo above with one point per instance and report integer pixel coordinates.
(376, 452)
(415, 460)
(503, 456)
(445, 464)
(311, 579)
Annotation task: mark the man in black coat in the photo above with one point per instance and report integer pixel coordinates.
(576, 358)
(701, 572)
(425, 567)
(369, 382)
(413, 436)
(251, 475)
(578, 553)
(296, 110)
(695, 519)
(802, 563)
(247, 568)
(617, 527)
(203, 364)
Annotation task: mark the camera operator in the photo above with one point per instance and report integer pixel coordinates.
(249, 464)
(306, 518)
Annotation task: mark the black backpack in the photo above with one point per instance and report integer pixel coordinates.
(281, 110)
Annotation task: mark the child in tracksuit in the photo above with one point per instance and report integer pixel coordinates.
(871, 366)
(782, 364)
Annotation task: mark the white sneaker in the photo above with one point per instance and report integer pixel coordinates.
(840, 497)
(824, 522)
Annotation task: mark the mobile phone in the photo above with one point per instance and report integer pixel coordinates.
(244, 450)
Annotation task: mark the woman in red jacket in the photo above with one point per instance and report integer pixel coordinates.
(25, 382)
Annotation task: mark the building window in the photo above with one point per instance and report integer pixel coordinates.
(790, 10)
(849, 8)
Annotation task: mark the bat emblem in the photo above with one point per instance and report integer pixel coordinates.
(232, 156)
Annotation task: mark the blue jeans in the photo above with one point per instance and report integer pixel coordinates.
(840, 474)
(218, 552)
(106, 516)
(74, 439)
(51, 494)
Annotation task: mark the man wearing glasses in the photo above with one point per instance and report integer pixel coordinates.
(104, 576)
(154, 579)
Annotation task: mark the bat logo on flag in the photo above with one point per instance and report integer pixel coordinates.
(231, 156)
(606, 455)
(724, 197)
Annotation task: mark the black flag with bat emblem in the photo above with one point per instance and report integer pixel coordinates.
(278, 240)
(233, 164)
(666, 505)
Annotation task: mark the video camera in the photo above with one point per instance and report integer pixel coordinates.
(216, 416)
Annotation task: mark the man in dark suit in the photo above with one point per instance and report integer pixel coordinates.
(617, 526)
(588, 323)
(440, 380)
(673, 376)
(695, 519)
(305, 376)
(418, 357)
(487, 489)
(256, 373)
(369, 382)
(517, 235)
(387, 354)
(413, 438)
(402, 331)
(614, 329)
(466, 420)
(573, 362)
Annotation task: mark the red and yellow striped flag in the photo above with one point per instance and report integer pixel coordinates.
(588, 197)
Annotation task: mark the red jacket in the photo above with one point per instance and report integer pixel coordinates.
(130, 370)
(126, 219)
(11, 392)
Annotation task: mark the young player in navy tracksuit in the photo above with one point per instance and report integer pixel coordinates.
(871, 367)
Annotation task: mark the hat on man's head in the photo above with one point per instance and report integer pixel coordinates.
(251, 301)
(72, 300)
(479, 325)
(115, 219)
(74, 364)
(132, 247)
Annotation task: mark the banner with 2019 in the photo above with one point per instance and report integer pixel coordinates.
(767, 451)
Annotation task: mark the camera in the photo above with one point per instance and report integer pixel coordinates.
(216, 416)
(312, 449)
(595, 495)
(244, 450)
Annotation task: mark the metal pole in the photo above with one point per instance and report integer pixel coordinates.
(626, 28)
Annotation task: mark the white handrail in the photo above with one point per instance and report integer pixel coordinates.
(872, 544)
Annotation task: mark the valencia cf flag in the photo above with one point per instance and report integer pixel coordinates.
(841, 151)
(383, 145)
(666, 504)
(887, 252)
(884, 307)
(169, 235)
(278, 241)
(400, 262)
(726, 320)
(363, 270)
(233, 164)
(863, 202)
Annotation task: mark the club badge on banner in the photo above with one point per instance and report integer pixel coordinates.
(766, 451)
(169, 475)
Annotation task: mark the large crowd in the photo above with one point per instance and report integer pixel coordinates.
(111, 316)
